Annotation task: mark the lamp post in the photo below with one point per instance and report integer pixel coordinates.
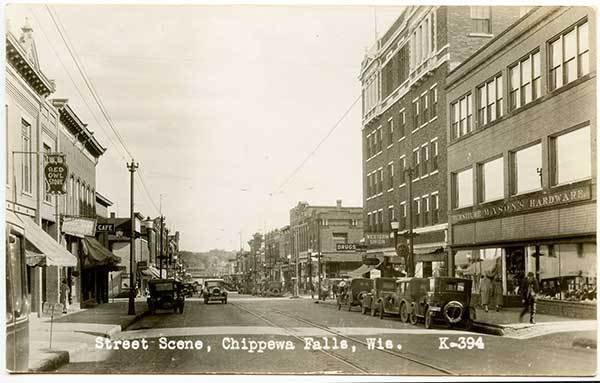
(410, 267)
(131, 307)
(310, 285)
(395, 226)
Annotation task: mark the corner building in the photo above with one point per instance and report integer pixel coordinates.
(521, 127)
(404, 120)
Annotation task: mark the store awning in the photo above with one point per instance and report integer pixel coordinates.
(96, 254)
(341, 257)
(358, 273)
(429, 254)
(151, 272)
(54, 254)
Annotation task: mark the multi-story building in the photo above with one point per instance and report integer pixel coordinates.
(102, 205)
(314, 233)
(404, 120)
(521, 131)
(32, 129)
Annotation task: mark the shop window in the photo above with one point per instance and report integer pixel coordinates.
(526, 168)
(569, 56)
(492, 180)
(463, 188)
(571, 156)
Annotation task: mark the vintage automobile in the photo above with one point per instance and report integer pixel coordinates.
(214, 290)
(442, 299)
(272, 289)
(382, 299)
(352, 291)
(165, 294)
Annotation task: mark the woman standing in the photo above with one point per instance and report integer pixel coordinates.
(497, 292)
(485, 291)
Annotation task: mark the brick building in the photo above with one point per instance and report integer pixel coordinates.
(32, 129)
(522, 158)
(404, 120)
(316, 230)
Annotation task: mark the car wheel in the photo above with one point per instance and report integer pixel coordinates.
(428, 318)
(380, 310)
(413, 317)
(403, 312)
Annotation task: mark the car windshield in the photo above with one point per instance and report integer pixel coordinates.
(163, 286)
(454, 286)
(388, 285)
(362, 283)
(213, 283)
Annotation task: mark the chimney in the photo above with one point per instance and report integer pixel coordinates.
(112, 214)
(338, 203)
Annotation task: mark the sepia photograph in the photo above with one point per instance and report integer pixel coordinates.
(319, 190)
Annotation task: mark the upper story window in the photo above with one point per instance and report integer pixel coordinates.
(390, 131)
(571, 156)
(433, 99)
(416, 162)
(395, 71)
(525, 169)
(480, 20)
(434, 154)
(424, 159)
(27, 161)
(525, 81)
(569, 56)
(462, 116)
(402, 124)
(491, 180)
(435, 208)
(490, 101)
(402, 215)
(415, 106)
(425, 107)
(379, 139)
(462, 185)
(371, 93)
(391, 213)
(391, 174)
(401, 168)
(422, 41)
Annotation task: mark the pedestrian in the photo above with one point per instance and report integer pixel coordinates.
(64, 294)
(485, 290)
(497, 292)
(528, 291)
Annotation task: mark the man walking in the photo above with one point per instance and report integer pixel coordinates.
(528, 290)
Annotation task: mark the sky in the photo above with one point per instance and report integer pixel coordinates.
(219, 105)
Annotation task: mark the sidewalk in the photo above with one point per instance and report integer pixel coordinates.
(506, 323)
(76, 332)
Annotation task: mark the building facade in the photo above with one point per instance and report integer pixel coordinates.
(403, 127)
(522, 159)
(32, 130)
(314, 233)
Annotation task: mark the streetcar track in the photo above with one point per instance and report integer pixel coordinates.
(339, 334)
(328, 353)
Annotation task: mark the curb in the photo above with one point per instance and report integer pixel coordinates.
(60, 358)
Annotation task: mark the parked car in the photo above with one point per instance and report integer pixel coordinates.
(214, 290)
(445, 299)
(408, 291)
(165, 294)
(273, 289)
(352, 292)
(383, 298)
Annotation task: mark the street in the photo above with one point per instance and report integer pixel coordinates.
(312, 338)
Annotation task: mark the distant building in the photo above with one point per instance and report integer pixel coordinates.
(522, 166)
(315, 231)
(102, 205)
(404, 124)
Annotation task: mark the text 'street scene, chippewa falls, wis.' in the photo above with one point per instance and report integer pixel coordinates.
(300, 189)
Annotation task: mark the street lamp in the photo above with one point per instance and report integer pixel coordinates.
(395, 226)
(310, 285)
(410, 267)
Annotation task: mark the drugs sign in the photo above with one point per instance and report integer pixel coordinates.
(56, 172)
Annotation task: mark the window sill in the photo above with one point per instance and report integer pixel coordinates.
(571, 182)
(402, 185)
(416, 179)
(434, 172)
(424, 176)
(415, 131)
(480, 34)
(422, 126)
(390, 190)
(390, 145)
(28, 194)
(491, 201)
(402, 139)
(526, 192)
(433, 119)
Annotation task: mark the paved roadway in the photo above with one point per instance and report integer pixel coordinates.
(290, 322)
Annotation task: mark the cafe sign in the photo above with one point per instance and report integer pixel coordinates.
(55, 172)
(530, 202)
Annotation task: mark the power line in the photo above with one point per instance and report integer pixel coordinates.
(63, 34)
(74, 83)
(85, 77)
(329, 133)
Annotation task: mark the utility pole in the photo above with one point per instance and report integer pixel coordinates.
(161, 255)
(131, 310)
(319, 257)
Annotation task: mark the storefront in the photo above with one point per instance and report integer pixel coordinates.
(550, 235)
(96, 263)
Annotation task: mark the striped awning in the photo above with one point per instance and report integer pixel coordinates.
(41, 244)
